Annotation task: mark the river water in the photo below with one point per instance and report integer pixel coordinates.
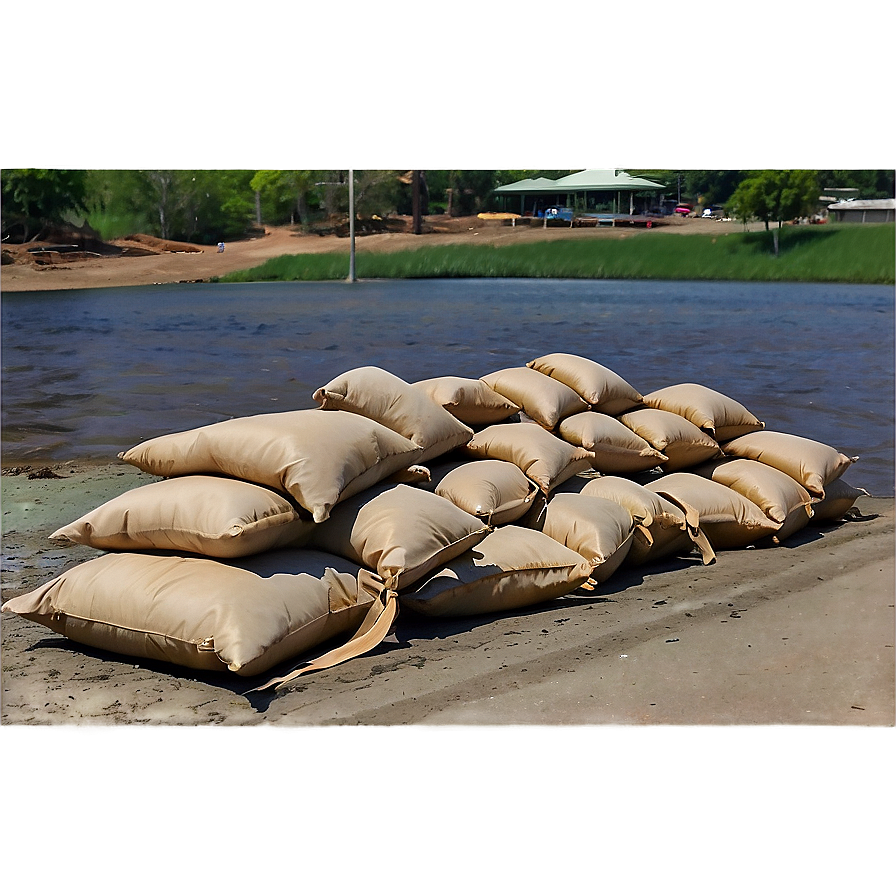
(89, 373)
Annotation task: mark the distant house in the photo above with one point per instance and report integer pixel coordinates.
(595, 189)
(863, 211)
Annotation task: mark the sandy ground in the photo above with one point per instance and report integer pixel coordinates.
(205, 262)
(795, 635)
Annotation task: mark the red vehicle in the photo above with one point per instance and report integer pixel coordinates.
(684, 209)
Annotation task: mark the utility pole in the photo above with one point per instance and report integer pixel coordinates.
(418, 219)
(351, 226)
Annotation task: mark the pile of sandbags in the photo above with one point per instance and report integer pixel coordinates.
(270, 535)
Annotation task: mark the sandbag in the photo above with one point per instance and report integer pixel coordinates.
(685, 444)
(510, 568)
(663, 527)
(597, 528)
(388, 399)
(318, 457)
(496, 491)
(813, 464)
(839, 498)
(471, 401)
(729, 520)
(544, 458)
(602, 388)
(780, 497)
(547, 401)
(615, 447)
(716, 414)
(209, 515)
(244, 616)
(400, 531)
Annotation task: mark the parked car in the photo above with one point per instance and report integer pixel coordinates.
(684, 209)
(713, 211)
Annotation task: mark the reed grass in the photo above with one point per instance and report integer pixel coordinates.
(832, 253)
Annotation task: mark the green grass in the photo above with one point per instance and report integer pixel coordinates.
(846, 253)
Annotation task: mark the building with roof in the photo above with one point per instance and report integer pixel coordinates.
(863, 211)
(610, 190)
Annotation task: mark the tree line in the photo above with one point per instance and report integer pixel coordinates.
(208, 206)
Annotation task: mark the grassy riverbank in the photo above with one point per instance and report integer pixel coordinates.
(845, 253)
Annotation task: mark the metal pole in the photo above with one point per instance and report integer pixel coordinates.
(351, 226)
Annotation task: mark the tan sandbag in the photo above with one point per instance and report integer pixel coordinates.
(813, 464)
(245, 616)
(780, 497)
(597, 528)
(400, 531)
(511, 568)
(318, 457)
(839, 498)
(388, 399)
(209, 515)
(601, 387)
(544, 458)
(662, 527)
(685, 444)
(716, 414)
(729, 520)
(471, 401)
(496, 491)
(615, 447)
(547, 401)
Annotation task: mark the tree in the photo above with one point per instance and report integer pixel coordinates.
(713, 187)
(870, 184)
(775, 196)
(287, 192)
(36, 197)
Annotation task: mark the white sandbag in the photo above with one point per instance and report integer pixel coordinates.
(318, 457)
(471, 401)
(780, 497)
(597, 528)
(685, 444)
(663, 527)
(602, 388)
(547, 401)
(244, 616)
(729, 520)
(616, 448)
(510, 568)
(209, 515)
(375, 393)
(400, 531)
(813, 464)
(716, 414)
(544, 458)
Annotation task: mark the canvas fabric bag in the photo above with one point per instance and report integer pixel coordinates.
(663, 526)
(542, 457)
(400, 531)
(716, 414)
(813, 464)
(729, 520)
(615, 447)
(208, 515)
(839, 498)
(685, 444)
(244, 616)
(603, 389)
(495, 491)
(545, 400)
(597, 528)
(471, 401)
(510, 568)
(780, 497)
(388, 399)
(317, 457)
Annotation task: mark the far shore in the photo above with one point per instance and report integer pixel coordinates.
(185, 263)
